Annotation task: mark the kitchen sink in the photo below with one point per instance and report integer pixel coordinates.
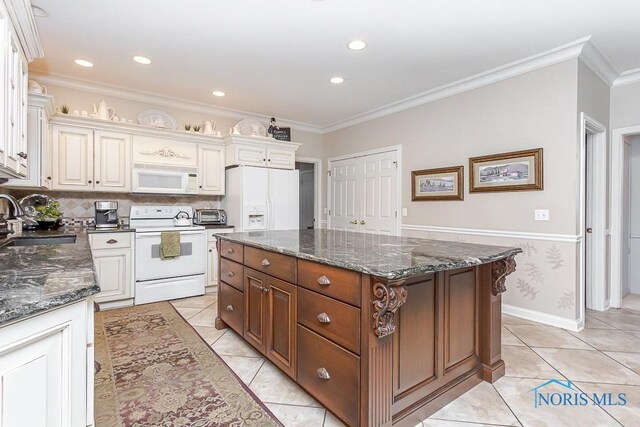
(41, 240)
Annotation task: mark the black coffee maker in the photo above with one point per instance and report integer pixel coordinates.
(106, 214)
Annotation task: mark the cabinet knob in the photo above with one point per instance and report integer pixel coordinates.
(269, 159)
(25, 156)
(355, 221)
(48, 178)
(265, 263)
(97, 182)
(89, 181)
(230, 274)
(229, 307)
(324, 318)
(323, 373)
(264, 160)
(210, 250)
(265, 290)
(200, 186)
(324, 280)
(362, 222)
(112, 241)
(230, 251)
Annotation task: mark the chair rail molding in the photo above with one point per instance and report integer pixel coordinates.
(521, 235)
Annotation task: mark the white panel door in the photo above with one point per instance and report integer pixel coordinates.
(345, 199)
(379, 188)
(112, 161)
(364, 194)
(212, 173)
(283, 205)
(113, 268)
(72, 158)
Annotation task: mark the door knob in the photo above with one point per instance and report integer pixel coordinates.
(265, 263)
(324, 318)
(362, 222)
(323, 373)
(355, 221)
(589, 230)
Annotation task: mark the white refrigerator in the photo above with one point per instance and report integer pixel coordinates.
(262, 199)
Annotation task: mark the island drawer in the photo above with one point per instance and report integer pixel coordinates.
(335, 320)
(334, 282)
(232, 307)
(110, 240)
(274, 264)
(231, 272)
(330, 373)
(231, 250)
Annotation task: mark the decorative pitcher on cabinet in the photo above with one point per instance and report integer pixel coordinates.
(103, 112)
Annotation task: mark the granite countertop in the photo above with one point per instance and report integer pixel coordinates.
(390, 257)
(34, 279)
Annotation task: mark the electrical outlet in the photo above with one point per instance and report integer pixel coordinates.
(542, 214)
(404, 212)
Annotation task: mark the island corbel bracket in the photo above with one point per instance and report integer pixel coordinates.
(500, 270)
(389, 297)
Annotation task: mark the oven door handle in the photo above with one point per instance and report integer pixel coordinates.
(141, 235)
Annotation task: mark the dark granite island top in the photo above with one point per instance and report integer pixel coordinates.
(390, 257)
(34, 279)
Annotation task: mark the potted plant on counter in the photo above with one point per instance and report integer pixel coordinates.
(48, 216)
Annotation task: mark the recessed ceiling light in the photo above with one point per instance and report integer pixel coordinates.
(336, 80)
(218, 93)
(83, 63)
(357, 45)
(142, 60)
(39, 12)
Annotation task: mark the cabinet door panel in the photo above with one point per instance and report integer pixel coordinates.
(212, 173)
(250, 156)
(112, 161)
(73, 158)
(281, 339)
(281, 159)
(255, 308)
(113, 267)
(212, 264)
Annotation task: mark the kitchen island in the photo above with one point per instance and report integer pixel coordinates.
(382, 330)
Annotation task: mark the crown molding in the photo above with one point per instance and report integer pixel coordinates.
(165, 101)
(554, 56)
(598, 63)
(628, 77)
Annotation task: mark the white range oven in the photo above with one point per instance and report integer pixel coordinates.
(160, 279)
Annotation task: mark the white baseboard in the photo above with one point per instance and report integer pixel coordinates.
(540, 317)
(571, 238)
(211, 289)
(115, 304)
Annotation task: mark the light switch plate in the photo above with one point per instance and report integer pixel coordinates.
(542, 214)
(404, 212)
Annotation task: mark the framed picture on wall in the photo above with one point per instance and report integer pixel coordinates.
(438, 184)
(515, 171)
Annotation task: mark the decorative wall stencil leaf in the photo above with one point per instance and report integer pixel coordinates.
(526, 289)
(534, 273)
(555, 258)
(528, 248)
(567, 301)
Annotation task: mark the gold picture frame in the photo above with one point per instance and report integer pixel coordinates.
(437, 184)
(514, 171)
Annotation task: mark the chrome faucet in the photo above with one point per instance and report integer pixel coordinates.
(17, 209)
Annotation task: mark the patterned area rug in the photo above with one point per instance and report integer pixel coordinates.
(156, 371)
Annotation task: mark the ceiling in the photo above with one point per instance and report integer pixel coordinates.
(276, 57)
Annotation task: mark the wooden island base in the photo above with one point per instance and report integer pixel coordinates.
(375, 352)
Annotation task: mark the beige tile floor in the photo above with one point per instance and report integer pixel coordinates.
(604, 357)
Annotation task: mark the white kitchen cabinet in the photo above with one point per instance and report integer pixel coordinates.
(260, 151)
(212, 257)
(40, 110)
(112, 163)
(113, 259)
(44, 369)
(211, 169)
(87, 160)
(154, 150)
(19, 44)
(72, 164)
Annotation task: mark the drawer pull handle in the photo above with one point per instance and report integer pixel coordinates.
(229, 307)
(230, 251)
(230, 274)
(324, 280)
(324, 318)
(112, 241)
(265, 263)
(323, 373)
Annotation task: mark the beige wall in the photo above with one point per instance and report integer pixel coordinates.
(625, 106)
(536, 109)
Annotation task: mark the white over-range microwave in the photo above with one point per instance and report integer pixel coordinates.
(164, 180)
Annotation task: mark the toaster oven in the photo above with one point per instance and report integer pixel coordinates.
(210, 216)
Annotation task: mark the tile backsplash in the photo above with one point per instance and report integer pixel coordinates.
(80, 205)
